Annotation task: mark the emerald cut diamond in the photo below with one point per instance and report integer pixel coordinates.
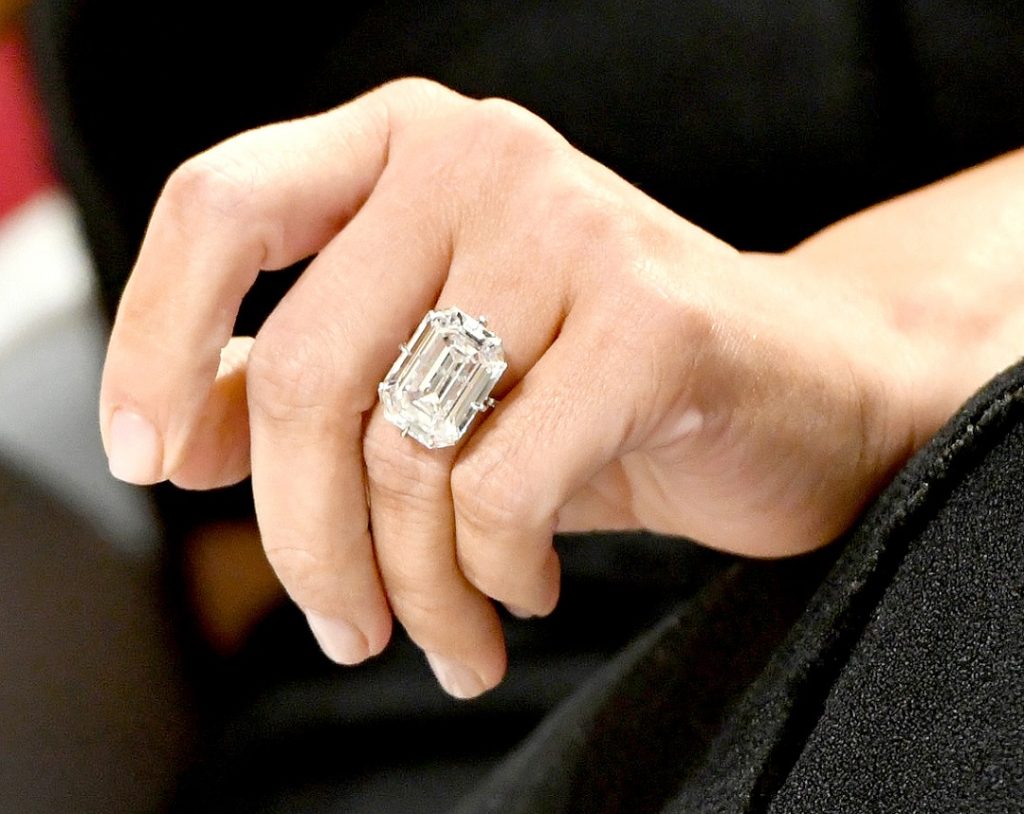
(442, 378)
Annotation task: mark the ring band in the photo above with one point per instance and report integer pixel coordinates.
(442, 378)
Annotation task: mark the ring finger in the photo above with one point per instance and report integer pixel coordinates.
(410, 496)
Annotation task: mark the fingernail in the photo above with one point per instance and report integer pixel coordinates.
(455, 678)
(338, 639)
(136, 452)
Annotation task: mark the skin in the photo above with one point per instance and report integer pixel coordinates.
(658, 378)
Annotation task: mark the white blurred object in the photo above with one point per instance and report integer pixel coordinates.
(45, 270)
(52, 339)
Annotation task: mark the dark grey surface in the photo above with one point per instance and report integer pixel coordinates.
(92, 713)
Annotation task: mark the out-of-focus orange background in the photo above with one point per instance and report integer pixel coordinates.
(9, 10)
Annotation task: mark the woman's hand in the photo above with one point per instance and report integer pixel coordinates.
(657, 378)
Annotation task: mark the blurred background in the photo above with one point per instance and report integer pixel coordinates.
(92, 715)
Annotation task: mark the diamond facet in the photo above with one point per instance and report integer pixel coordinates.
(442, 378)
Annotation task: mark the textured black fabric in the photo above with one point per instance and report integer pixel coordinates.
(960, 481)
(928, 710)
(898, 689)
(622, 742)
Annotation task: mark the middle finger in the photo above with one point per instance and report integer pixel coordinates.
(312, 376)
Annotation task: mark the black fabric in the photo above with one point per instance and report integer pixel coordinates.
(959, 483)
(622, 742)
(898, 689)
(930, 702)
(294, 733)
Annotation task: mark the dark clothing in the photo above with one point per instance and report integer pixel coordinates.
(898, 687)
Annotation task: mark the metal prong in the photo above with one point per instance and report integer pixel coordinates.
(405, 432)
(482, 319)
(403, 348)
(486, 404)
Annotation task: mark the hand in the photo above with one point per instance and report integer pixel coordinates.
(657, 378)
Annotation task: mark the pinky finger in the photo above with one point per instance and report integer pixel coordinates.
(217, 453)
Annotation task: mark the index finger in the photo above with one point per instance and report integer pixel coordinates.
(262, 200)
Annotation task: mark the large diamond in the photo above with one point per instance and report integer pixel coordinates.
(442, 378)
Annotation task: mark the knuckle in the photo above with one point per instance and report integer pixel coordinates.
(663, 304)
(486, 574)
(504, 134)
(301, 573)
(489, 492)
(292, 374)
(497, 116)
(597, 220)
(229, 186)
(399, 479)
(583, 214)
(403, 105)
(416, 87)
(221, 182)
(418, 606)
